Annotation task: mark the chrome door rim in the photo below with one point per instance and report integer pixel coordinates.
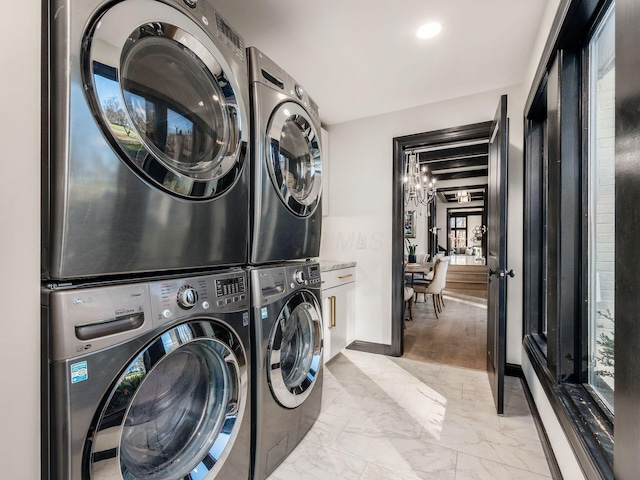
(306, 204)
(115, 33)
(291, 396)
(103, 456)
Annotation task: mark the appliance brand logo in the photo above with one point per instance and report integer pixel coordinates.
(80, 301)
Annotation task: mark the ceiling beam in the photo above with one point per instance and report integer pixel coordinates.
(479, 186)
(453, 153)
(482, 160)
(458, 175)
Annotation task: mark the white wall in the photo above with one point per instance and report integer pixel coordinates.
(421, 220)
(20, 241)
(359, 225)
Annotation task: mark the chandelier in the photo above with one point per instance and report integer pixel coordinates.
(418, 188)
(463, 196)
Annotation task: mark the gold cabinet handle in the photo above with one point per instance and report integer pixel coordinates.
(345, 276)
(331, 297)
(334, 315)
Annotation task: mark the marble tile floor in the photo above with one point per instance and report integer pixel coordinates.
(386, 418)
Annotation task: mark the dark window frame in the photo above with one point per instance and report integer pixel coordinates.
(556, 152)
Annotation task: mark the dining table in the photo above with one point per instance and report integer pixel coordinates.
(418, 268)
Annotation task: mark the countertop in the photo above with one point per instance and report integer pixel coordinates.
(327, 265)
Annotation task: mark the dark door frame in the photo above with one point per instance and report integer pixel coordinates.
(400, 145)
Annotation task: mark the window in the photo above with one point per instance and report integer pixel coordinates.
(458, 233)
(601, 230)
(570, 230)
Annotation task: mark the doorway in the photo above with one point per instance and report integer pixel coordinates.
(457, 160)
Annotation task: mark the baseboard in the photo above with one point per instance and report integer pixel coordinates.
(554, 468)
(513, 370)
(370, 347)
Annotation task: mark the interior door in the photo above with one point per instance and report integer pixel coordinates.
(496, 253)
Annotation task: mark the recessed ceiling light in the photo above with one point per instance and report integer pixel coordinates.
(429, 30)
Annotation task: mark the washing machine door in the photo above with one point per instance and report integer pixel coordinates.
(294, 158)
(295, 350)
(166, 98)
(176, 409)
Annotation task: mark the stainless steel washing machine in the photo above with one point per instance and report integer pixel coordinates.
(146, 139)
(286, 321)
(286, 186)
(148, 380)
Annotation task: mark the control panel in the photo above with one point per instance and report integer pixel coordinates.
(175, 298)
(84, 320)
(304, 275)
(209, 18)
(269, 284)
(229, 290)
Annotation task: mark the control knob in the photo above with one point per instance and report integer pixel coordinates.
(299, 276)
(187, 297)
(299, 91)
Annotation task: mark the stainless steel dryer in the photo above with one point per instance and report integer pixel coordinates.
(286, 165)
(147, 138)
(286, 321)
(148, 381)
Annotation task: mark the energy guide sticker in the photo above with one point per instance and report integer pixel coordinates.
(79, 372)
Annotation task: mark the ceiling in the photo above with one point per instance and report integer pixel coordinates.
(455, 167)
(359, 58)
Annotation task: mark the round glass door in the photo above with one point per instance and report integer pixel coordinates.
(176, 408)
(295, 350)
(164, 96)
(294, 158)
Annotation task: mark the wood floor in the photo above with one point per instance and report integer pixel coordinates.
(457, 338)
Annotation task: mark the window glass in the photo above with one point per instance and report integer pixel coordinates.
(601, 240)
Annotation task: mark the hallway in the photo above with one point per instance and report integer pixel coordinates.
(387, 418)
(458, 338)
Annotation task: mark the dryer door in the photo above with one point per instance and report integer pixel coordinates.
(294, 158)
(166, 98)
(295, 350)
(176, 409)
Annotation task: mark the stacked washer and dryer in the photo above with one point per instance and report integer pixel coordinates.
(286, 317)
(182, 330)
(145, 304)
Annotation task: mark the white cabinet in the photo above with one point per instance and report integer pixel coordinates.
(338, 309)
(324, 135)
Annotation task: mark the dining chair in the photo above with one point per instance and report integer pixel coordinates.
(407, 295)
(435, 286)
(408, 300)
(444, 285)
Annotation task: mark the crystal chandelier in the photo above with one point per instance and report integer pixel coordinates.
(418, 188)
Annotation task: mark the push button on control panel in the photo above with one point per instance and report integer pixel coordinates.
(230, 290)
